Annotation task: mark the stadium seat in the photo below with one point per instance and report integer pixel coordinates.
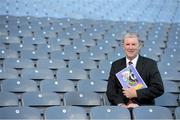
(105, 64)
(37, 73)
(104, 48)
(85, 64)
(63, 55)
(92, 85)
(93, 55)
(18, 63)
(8, 99)
(25, 113)
(21, 46)
(85, 41)
(177, 113)
(86, 99)
(76, 48)
(112, 43)
(40, 99)
(72, 33)
(4, 53)
(151, 112)
(71, 74)
(92, 35)
(99, 74)
(19, 86)
(8, 73)
(109, 112)
(168, 100)
(9, 39)
(31, 54)
(48, 47)
(59, 41)
(58, 86)
(171, 86)
(65, 113)
(33, 40)
(50, 64)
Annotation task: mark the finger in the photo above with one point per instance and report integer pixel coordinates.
(129, 86)
(124, 89)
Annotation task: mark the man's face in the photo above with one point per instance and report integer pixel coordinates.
(131, 47)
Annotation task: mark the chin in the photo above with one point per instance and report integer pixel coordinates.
(131, 57)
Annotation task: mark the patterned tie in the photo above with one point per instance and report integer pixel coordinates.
(130, 63)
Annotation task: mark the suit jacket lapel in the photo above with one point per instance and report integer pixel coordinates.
(140, 64)
(123, 63)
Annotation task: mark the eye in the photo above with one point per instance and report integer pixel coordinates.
(133, 44)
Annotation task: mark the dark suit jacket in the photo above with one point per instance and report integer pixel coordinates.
(149, 72)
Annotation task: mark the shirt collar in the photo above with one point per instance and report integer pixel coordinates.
(134, 61)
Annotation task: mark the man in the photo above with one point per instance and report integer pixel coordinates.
(148, 70)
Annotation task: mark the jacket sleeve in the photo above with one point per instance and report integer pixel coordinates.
(153, 81)
(114, 89)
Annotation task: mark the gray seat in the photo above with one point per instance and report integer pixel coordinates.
(99, 74)
(20, 113)
(93, 55)
(104, 48)
(63, 55)
(105, 64)
(65, 113)
(10, 39)
(85, 64)
(151, 112)
(40, 99)
(167, 100)
(37, 73)
(33, 40)
(59, 41)
(4, 53)
(58, 86)
(177, 113)
(171, 86)
(71, 74)
(8, 73)
(51, 64)
(19, 86)
(109, 112)
(78, 48)
(92, 85)
(86, 99)
(18, 63)
(8, 99)
(31, 54)
(85, 41)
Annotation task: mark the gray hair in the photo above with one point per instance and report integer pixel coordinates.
(131, 35)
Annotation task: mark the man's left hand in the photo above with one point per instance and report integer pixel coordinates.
(130, 92)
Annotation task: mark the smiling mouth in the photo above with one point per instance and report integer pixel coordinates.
(130, 51)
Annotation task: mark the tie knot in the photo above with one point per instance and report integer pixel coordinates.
(130, 63)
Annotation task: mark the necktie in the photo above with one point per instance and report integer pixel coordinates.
(130, 63)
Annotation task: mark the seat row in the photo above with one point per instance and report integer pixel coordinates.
(98, 112)
(62, 86)
(69, 97)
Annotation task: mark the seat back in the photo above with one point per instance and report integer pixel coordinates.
(65, 112)
(151, 112)
(109, 112)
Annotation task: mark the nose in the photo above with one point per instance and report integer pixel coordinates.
(130, 47)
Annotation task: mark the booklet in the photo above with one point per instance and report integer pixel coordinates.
(129, 77)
